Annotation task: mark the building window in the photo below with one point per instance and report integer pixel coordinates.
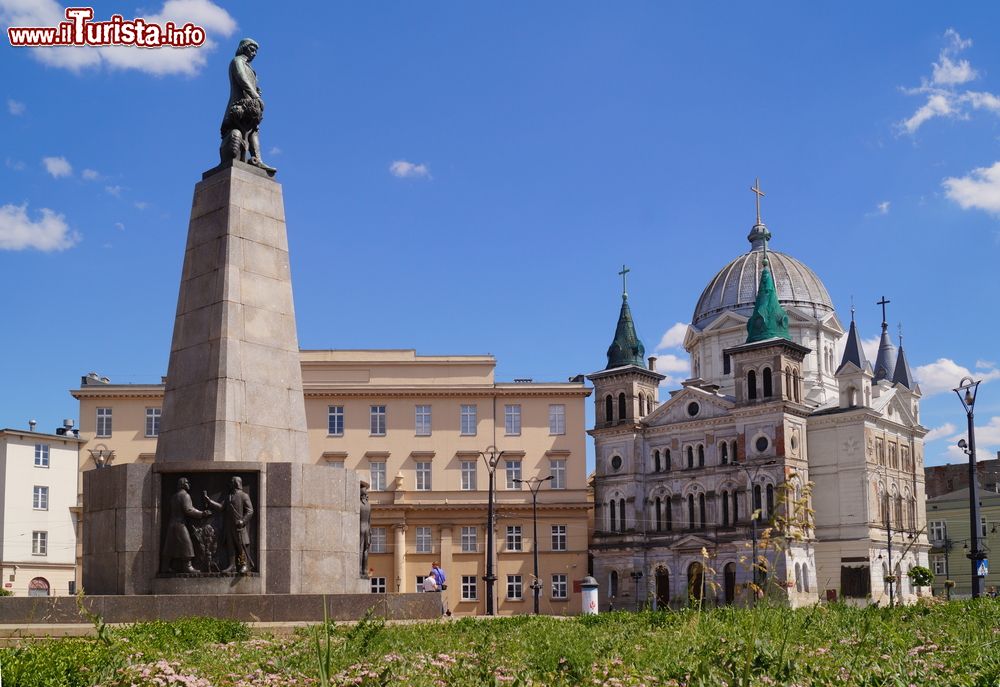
(377, 472)
(982, 527)
(378, 540)
(335, 421)
(622, 408)
(691, 521)
(701, 510)
(104, 422)
(559, 537)
(701, 456)
(770, 500)
(469, 420)
(751, 385)
(613, 584)
(557, 468)
(514, 538)
(40, 498)
(938, 564)
(666, 459)
(656, 460)
(420, 583)
(468, 475)
(609, 409)
(378, 585)
(423, 476)
(153, 422)
(514, 588)
(378, 421)
(513, 470)
(611, 515)
(41, 455)
(339, 463)
(557, 419)
(727, 364)
(424, 541)
(560, 586)
(470, 539)
(39, 543)
(724, 453)
(512, 419)
(469, 588)
(725, 509)
(766, 377)
(690, 454)
(423, 421)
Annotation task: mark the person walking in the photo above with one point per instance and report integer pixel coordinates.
(441, 580)
(431, 585)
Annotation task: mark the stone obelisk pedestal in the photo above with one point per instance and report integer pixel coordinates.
(233, 406)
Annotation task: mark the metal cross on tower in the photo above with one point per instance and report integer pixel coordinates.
(624, 272)
(883, 303)
(756, 189)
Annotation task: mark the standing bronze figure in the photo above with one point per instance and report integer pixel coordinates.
(237, 511)
(366, 528)
(244, 111)
(178, 549)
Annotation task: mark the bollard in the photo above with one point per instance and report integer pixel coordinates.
(589, 596)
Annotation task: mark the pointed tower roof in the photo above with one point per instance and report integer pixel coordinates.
(854, 352)
(885, 361)
(902, 374)
(769, 320)
(626, 349)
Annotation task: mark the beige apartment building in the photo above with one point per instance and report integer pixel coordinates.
(417, 427)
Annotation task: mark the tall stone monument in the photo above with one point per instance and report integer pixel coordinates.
(233, 502)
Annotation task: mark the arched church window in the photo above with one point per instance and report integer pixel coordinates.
(668, 513)
(609, 409)
(725, 509)
(622, 407)
(690, 511)
(621, 514)
(701, 510)
(724, 453)
(768, 389)
(690, 452)
(666, 459)
(795, 384)
(734, 454)
(736, 508)
(805, 577)
(770, 500)
(798, 577)
(852, 397)
(788, 382)
(613, 584)
(756, 501)
(611, 516)
(701, 456)
(659, 515)
(751, 385)
(656, 460)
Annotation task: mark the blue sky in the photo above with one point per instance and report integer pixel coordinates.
(469, 178)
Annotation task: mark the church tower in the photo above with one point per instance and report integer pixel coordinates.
(854, 376)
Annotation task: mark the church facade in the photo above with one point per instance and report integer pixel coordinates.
(782, 467)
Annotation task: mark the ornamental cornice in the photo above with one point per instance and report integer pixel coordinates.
(453, 392)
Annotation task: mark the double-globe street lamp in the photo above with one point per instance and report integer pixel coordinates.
(755, 509)
(492, 458)
(967, 390)
(535, 483)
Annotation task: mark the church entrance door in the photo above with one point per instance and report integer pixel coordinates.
(696, 583)
(729, 582)
(662, 588)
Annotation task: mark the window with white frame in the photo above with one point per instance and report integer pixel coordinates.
(512, 419)
(560, 586)
(41, 455)
(938, 530)
(40, 498)
(557, 468)
(104, 422)
(423, 476)
(424, 541)
(557, 419)
(468, 475)
(379, 540)
(377, 417)
(420, 583)
(423, 420)
(378, 585)
(376, 470)
(39, 543)
(470, 539)
(559, 537)
(336, 463)
(513, 471)
(335, 421)
(938, 565)
(514, 542)
(153, 422)
(515, 588)
(469, 420)
(470, 590)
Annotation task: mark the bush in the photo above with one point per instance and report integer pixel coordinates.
(921, 576)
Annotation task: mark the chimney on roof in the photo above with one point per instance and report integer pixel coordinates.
(31, 425)
(652, 363)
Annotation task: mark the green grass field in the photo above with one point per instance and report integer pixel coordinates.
(950, 644)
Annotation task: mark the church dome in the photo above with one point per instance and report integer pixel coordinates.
(734, 287)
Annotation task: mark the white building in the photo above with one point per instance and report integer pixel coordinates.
(38, 500)
(770, 410)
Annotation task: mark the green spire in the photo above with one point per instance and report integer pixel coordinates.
(626, 349)
(769, 320)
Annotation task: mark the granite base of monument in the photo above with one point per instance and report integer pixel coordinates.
(303, 534)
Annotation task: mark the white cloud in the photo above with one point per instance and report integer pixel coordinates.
(883, 207)
(15, 165)
(15, 108)
(48, 233)
(115, 191)
(90, 175)
(676, 369)
(158, 61)
(944, 374)
(673, 337)
(870, 347)
(57, 166)
(412, 170)
(948, 72)
(141, 204)
(980, 189)
(119, 226)
(275, 150)
(985, 364)
(937, 105)
(987, 442)
(945, 430)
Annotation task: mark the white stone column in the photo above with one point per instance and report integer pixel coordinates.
(399, 557)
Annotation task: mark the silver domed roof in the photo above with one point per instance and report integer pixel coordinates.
(734, 288)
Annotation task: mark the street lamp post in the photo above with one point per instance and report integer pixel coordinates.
(535, 484)
(492, 458)
(967, 390)
(753, 518)
(636, 576)
(888, 539)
